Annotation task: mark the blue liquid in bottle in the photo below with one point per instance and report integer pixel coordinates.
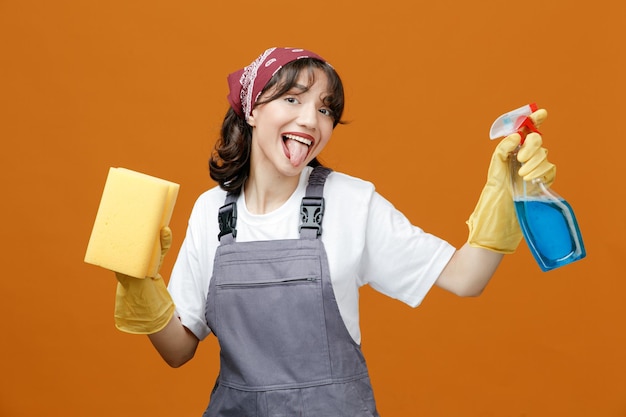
(551, 230)
(547, 221)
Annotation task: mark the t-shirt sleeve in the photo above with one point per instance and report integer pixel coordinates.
(400, 260)
(189, 280)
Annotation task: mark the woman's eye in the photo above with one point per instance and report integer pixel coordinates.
(292, 100)
(326, 112)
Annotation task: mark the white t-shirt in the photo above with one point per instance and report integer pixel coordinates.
(367, 241)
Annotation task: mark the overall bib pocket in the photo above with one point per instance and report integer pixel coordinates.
(258, 307)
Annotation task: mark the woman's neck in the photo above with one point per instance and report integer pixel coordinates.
(265, 192)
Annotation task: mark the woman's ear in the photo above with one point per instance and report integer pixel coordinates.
(251, 120)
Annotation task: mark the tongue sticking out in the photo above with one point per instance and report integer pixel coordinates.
(297, 151)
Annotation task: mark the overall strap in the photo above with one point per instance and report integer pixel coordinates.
(227, 219)
(312, 207)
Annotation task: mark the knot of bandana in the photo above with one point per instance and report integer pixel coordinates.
(246, 84)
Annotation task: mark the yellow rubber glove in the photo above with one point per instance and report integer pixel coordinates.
(144, 306)
(493, 225)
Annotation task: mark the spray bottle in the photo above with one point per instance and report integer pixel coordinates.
(547, 220)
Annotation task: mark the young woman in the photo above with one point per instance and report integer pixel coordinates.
(274, 257)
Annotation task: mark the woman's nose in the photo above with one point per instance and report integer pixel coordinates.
(307, 117)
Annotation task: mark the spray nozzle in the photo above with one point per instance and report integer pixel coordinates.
(515, 121)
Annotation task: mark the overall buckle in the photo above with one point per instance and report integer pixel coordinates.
(227, 218)
(311, 213)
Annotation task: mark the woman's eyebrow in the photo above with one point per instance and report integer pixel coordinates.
(299, 87)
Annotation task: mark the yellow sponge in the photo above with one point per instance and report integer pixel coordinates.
(133, 209)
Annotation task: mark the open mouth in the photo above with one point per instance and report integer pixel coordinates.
(297, 139)
(296, 148)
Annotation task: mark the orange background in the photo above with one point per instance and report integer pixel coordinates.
(85, 85)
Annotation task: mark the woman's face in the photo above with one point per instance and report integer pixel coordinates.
(291, 130)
